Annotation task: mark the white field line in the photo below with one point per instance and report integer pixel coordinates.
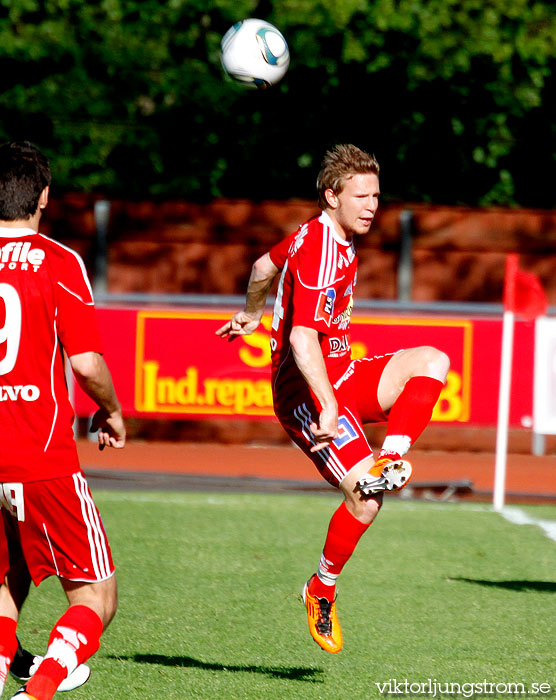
(520, 517)
(514, 515)
(187, 497)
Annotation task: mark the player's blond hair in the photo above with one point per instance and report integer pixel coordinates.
(338, 165)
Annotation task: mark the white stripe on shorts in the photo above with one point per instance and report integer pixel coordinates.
(330, 460)
(95, 533)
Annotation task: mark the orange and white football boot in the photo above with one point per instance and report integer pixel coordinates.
(323, 621)
(385, 475)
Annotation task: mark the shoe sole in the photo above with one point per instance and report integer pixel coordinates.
(394, 477)
(397, 474)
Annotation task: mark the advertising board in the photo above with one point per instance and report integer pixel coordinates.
(169, 363)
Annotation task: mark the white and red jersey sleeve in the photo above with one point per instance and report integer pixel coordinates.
(77, 322)
(46, 306)
(315, 291)
(279, 253)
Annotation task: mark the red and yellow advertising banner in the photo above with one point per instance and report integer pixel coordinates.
(202, 375)
(170, 363)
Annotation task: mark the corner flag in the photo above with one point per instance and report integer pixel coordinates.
(524, 296)
(523, 292)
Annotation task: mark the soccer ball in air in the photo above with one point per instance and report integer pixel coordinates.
(255, 53)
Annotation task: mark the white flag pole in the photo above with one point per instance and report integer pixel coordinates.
(503, 410)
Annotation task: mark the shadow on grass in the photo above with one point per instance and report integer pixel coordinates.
(308, 675)
(541, 586)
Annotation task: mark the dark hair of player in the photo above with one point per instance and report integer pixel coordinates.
(24, 173)
(339, 164)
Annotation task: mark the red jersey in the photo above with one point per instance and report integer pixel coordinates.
(319, 272)
(46, 305)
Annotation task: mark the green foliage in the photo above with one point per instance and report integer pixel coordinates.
(209, 605)
(455, 97)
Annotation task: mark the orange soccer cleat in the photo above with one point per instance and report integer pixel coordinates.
(323, 622)
(385, 475)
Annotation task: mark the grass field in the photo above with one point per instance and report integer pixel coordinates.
(209, 604)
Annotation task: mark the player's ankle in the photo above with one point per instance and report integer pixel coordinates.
(320, 589)
(46, 680)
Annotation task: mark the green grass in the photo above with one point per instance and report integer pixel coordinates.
(209, 603)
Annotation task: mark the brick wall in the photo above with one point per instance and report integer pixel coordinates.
(181, 247)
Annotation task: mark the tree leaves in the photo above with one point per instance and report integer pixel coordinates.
(455, 97)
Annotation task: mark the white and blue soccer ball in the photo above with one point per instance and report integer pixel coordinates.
(255, 53)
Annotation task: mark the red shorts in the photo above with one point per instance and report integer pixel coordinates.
(356, 393)
(58, 529)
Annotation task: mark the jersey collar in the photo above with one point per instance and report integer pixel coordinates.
(327, 221)
(16, 232)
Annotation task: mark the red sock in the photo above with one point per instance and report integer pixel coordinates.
(410, 415)
(344, 532)
(8, 646)
(74, 639)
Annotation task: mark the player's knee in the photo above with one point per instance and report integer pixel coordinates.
(364, 509)
(101, 597)
(371, 507)
(434, 363)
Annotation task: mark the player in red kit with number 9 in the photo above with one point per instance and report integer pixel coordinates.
(49, 523)
(322, 397)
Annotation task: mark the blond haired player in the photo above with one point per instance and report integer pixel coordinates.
(322, 397)
(48, 514)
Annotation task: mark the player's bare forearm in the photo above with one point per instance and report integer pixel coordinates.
(93, 376)
(245, 322)
(310, 361)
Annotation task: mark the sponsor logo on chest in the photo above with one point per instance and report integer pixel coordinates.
(346, 257)
(339, 346)
(342, 320)
(342, 262)
(325, 306)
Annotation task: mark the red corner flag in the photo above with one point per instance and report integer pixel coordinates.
(523, 292)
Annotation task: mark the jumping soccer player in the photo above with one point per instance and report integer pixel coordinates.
(322, 397)
(48, 515)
